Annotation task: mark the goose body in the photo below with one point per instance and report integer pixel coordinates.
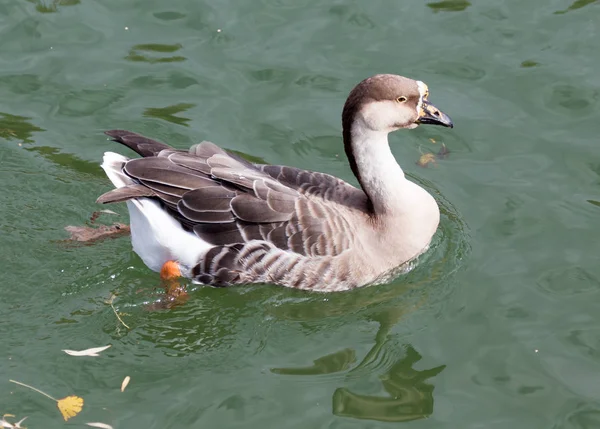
(224, 221)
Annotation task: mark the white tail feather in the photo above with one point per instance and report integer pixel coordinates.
(155, 235)
(112, 164)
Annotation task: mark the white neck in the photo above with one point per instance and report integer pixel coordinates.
(381, 177)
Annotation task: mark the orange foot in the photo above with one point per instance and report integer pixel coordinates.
(170, 270)
(176, 293)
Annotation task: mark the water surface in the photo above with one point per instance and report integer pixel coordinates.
(497, 327)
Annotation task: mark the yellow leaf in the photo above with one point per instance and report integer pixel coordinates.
(70, 406)
(426, 159)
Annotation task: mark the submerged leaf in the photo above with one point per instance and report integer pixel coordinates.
(95, 215)
(89, 352)
(443, 152)
(70, 406)
(426, 159)
(88, 234)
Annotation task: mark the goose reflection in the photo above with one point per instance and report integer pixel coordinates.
(410, 394)
(409, 391)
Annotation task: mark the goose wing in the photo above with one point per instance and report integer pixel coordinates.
(228, 201)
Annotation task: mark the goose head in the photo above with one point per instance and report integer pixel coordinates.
(387, 102)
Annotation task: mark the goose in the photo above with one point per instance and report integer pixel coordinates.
(209, 215)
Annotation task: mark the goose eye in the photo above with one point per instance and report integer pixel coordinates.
(401, 99)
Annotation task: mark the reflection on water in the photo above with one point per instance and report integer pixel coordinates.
(352, 16)
(87, 102)
(168, 113)
(409, 391)
(189, 329)
(13, 127)
(53, 6)
(578, 4)
(169, 16)
(410, 395)
(571, 100)
(579, 279)
(334, 362)
(449, 5)
(20, 83)
(140, 53)
(586, 415)
(67, 160)
(529, 63)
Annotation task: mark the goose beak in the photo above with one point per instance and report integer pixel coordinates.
(429, 114)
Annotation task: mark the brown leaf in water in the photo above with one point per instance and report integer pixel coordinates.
(88, 234)
(91, 233)
(94, 217)
(426, 159)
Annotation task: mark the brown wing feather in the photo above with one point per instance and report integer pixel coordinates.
(257, 210)
(142, 145)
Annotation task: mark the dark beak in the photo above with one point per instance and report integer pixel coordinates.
(432, 115)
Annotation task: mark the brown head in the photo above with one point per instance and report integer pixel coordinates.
(388, 102)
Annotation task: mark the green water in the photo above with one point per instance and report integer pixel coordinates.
(497, 327)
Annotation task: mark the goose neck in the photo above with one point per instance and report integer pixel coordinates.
(375, 167)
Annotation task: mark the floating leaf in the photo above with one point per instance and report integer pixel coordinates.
(89, 352)
(70, 406)
(18, 424)
(125, 383)
(6, 424)
(99, 425)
